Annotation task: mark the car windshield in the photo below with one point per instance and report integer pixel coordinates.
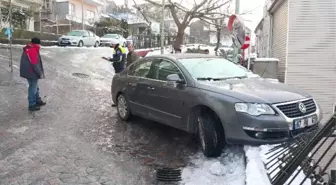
(76, 33)
(110, 36)
(213, 68)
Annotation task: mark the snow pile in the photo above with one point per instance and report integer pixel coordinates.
(229, 169)
(256, 173)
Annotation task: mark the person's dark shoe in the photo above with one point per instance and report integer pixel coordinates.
(40, 103)
(34, 108)
(114, 105)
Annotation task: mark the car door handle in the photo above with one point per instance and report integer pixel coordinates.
(131, 84)
(151, 88)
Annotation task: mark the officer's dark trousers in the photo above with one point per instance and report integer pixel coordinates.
(118, 66)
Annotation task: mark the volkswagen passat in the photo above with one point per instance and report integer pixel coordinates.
(220, 101)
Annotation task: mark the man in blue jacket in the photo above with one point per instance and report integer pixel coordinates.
(31, 68)
(119, 56)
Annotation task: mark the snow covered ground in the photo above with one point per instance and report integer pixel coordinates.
(236, 166)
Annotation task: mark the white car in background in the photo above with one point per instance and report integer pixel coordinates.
(79, 38)
(106, 40)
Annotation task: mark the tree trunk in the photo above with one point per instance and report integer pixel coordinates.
(179, 37)
(218, 40)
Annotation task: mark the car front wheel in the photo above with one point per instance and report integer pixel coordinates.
(80, 44)
(96, 44)
(123, 108)
(211, 134)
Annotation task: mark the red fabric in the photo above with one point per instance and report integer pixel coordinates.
(143, 53)
(32, 51)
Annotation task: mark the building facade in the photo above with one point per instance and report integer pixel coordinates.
(61, 16)
(29, 5)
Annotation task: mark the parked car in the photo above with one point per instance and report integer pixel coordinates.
(79, 38)
(219, 100)
(106, 40)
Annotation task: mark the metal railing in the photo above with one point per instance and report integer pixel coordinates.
(305, 160)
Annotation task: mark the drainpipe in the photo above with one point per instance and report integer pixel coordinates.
(270, 36)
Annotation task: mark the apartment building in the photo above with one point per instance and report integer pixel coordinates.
(61, 16)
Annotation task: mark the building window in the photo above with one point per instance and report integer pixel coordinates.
(71, 9)
(90, 15)
(46, 5)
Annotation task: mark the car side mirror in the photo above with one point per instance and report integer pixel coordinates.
(175, 78)
(84, 36)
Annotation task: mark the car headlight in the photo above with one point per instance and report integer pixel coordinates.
(254, 109)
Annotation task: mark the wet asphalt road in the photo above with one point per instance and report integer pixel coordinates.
(77, 138)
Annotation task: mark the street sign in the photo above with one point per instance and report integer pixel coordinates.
(246, 43)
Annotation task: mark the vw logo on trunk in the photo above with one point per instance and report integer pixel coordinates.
(302, 108)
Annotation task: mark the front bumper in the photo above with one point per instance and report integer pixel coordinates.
(105, 43)
(265, 129)
(67, 43)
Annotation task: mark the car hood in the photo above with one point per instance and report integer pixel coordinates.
(256, 90)
(107, 39)
(71, 37)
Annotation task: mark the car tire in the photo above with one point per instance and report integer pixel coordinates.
(211, 134)
(96, 44)
(124, 112)
(80, 44)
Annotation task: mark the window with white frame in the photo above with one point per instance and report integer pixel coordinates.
(90, 15)
(71, 9)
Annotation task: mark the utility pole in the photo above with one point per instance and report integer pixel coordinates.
(162, 27)
(40, 14)
(237, 7)
(83, 27)
(10, 38)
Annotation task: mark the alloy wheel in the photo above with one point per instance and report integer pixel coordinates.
(122, 106)
(201, 132)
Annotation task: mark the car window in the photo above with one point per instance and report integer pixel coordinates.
(85, 33)
(213, 68)
(140, 69)
(163, 68)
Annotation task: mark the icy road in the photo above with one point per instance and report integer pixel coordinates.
(77, 138)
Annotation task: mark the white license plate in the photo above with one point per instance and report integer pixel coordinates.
(304, 122)
(65, 41)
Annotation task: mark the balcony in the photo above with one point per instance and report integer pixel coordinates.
(94, 2)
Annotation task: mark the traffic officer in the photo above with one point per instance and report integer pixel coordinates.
(119, 56)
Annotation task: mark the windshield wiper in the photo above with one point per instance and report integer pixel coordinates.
(218, 79)
(239, 77)
(210, 78)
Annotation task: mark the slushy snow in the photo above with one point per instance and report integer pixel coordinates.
(228, 169)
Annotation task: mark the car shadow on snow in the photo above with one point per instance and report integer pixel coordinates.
(151, 143)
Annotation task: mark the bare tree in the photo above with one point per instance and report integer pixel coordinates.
(183, 16)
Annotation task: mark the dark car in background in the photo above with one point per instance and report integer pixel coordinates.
(217, 99)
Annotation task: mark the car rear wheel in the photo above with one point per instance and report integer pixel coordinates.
(80, 44)
(211, 134)
(123, 108)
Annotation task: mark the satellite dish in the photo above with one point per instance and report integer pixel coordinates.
(237, 29)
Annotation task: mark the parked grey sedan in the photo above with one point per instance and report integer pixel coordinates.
(218, 100)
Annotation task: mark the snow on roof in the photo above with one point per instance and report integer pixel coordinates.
(267, 60)
(130, 18)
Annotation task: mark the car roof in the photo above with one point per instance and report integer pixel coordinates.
(178, 56)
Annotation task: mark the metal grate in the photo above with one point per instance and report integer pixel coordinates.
(168, 175)
(292, 110)
(309, 156)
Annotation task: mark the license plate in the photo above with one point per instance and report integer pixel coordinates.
(304, 122)
(65, 42)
